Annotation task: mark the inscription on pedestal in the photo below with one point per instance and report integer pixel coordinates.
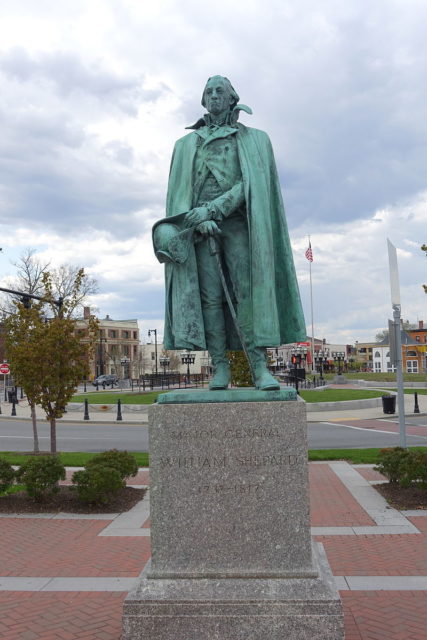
(222, 494)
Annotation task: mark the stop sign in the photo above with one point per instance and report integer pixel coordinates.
(4, 368)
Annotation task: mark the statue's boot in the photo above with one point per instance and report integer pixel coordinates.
(263, 378)
(221, 378)
(215, 342)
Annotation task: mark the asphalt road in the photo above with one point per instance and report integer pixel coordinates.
(332, 435)
(16, 435)
(73, 436)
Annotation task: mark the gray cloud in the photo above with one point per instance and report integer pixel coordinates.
(338, 86)
(69, 75)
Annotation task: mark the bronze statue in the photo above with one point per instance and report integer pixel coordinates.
(224, 201)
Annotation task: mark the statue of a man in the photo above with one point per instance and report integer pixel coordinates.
(223, 187)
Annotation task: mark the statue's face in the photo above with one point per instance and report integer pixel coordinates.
(217, 96)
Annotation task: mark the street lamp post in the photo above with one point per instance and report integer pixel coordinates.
(125, 364)
(101, 357)
(188, 358)
(338, 355)
(164, 362)
(298, 353)
(321, 359)
(150, 331)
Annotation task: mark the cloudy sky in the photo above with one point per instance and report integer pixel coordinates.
(94, 94)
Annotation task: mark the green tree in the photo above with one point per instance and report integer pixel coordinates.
(46, 356)
(21, 329)
(240, 370)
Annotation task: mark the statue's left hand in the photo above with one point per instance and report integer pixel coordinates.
(196, 216)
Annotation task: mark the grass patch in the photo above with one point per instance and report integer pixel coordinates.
(327, 395)
(421, 392)
(355, 456)
(378, 377)
(16, 488)
(105, 397)
(337, 395)
(69, 458)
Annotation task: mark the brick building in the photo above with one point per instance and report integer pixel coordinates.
(117, 346)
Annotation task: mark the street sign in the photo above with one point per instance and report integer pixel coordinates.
(4, 368)
(394, 274)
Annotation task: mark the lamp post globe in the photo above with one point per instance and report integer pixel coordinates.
(188, 358)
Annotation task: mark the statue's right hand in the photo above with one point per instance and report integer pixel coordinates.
(208, 228)
(196, 216)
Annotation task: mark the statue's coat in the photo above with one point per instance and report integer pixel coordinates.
(277, 312)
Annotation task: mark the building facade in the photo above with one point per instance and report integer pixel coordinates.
(414, 352)
(148, 360)
(116, 348)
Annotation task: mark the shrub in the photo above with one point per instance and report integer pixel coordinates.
(7, 475)
(390, 463)
(41, 475)
(239, 369)
(414, 469)
(97, 483)
(122, 461)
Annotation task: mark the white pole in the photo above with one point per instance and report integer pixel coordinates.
(395, 303)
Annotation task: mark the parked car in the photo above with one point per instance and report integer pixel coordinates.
(105, 379)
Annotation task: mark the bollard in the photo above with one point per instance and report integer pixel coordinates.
(119, 409)
(86, 415)
(416, 407)
(13, 407)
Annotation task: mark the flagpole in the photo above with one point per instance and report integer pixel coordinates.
(312, 317)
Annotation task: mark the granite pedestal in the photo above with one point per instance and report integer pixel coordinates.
(232, 556)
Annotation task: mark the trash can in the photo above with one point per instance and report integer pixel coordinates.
(389, 404)
(12, 397)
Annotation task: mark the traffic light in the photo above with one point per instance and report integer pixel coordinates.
(293, 359)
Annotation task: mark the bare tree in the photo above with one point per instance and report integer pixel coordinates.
(63, 279)
(29, 279)
(174, 359)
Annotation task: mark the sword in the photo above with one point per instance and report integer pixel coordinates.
(215, 250)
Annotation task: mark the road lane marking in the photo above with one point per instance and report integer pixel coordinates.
(365, 429)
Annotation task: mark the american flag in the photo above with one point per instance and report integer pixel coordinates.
(309, 253)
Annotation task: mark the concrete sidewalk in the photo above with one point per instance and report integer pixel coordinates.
(65, 576)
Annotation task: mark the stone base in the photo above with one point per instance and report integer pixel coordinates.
(236, 608)
(340, 379)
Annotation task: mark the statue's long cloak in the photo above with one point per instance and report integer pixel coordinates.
(277, 312)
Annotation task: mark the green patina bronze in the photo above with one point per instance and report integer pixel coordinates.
(229, 395)
(224, 191)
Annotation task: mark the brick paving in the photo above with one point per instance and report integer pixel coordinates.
(60, 616)
(73, 548)
(385, 615)
(370, 475)
(385, 555)
(332, 505)
(68, 548)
